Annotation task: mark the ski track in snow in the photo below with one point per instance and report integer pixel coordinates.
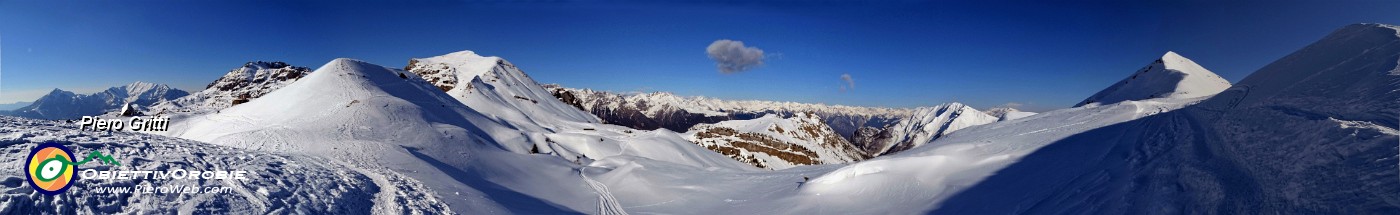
(607, 204)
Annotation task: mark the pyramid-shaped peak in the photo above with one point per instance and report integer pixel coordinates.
(1172, 76)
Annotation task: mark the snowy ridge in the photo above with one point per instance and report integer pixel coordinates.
(240, 85)
(656, 102)
(497, 88)
(666, 110)
(926, 124)
(1171, 76)
(774, 142)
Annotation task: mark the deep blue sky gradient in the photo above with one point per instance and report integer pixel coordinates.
(1044, 55)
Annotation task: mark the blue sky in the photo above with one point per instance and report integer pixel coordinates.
(1042, 55)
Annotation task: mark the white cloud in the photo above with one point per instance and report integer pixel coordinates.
(732, 56)
(850, 83)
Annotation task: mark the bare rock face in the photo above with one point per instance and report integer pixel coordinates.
(868, 138)
(441, 75)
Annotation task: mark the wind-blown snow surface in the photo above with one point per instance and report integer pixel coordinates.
(1171, 76)
(278, 183)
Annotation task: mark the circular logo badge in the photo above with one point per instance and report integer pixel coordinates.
(50, 168)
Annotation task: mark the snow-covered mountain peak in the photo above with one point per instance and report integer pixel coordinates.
(925, 125)
(242, 84)
(55, 94)
(142, 86)
(352, 66)
(1171, 76)
(342, 92)
(495, 87)
(454, 70)
(1174, 62)
(776, 142)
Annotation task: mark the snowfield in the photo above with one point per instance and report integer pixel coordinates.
(1312, 133)
(280, 183)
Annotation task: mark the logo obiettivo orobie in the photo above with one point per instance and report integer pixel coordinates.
(51, 167)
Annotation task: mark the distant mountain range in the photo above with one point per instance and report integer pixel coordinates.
(60, 104)
(860, 126)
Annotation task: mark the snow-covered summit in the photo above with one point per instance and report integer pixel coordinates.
(497, 88)
(1171, 76)
(239, 85)
(343, 92)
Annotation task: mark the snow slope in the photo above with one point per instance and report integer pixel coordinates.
(1171, 76)
(774, 142)
(358, 113)
(60, 104)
